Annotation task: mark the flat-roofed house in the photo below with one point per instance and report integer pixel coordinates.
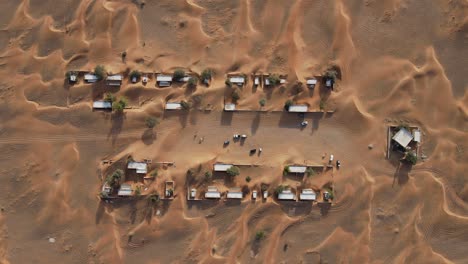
(403, 137)
(140, 167)
(102, 105)
(307, 195)
(125, 190)
(173, 106)
(417, 136)
(311, 82)
(257, 80)
(164, 80)
(235, 193)
(212, 193)
(73, 77)
(297, 169)
(298, 108)
(237, 80)
(114, 80)
(222, 167)
(90, 78)
(229, 107)
(286, 195)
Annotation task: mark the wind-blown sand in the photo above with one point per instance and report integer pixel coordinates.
(401, 61)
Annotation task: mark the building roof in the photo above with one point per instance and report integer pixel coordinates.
(282, 80)
(221, 167)
(286, 195)
(297, 169)
(417, 136)
(115, 77)
(73, 77)
(298, 108)
(173, 106)
(102, 105)
(163, 78)
(125, 190)
(311, 81)
(307, 195)
(403, 137)
(229, 107)
(140, 167)
(237, 79)
(185, 79)
(235, 193)
(90, 77)
(256, 80)
(212, 192)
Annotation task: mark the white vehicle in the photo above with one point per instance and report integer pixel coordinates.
(254, 195)
(331, 158)
(260, 149)
(236, 136)
(244, 136)
(265, 194)
(304, 123)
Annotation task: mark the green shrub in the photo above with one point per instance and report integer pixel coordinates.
(322, 105)
(151, 121)
(208, 176)
(262, 102)
(411, 158)
(233, 171)
(235, 96)
(287, 104)
(310, 172)
(331, 74)
(286, 170)
(135, 74)
(109, 97)
(274, 79)
(179, 74)
(154, 173)
(192, 82)
(228, 83)
(185, 105)
(119, 106)
(138, 190)
(279, 189)
(248, 179)
(114, 179)
(100, 72)
(260, 235)
(206, 74)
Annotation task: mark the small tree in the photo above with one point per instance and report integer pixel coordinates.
(310, 172)
(135, 74)
(248, 179)
(286, 171)
(235, 96)
(322, 104)
(208, 176)
(100, 72)
(411, 158)
(179, 74)
(273, 79)
(260, 235)
(287, 104)
(109, 97)
(233, 171)
(119, 106)
(263, 187)
(206, 74)
(114, 179)
(279, 189)
(138, 190)
(103, 195)
(151, 121)
(262, 102)
(228, 83)
(185, 105)
(154, 173)
(331, 74)
(192, 82)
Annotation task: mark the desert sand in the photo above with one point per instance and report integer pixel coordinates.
(401, 61)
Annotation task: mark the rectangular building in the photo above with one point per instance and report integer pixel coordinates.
(286, 195)
(90, 78)
(173, 106)
(229, 107)
(114, 80)
(307, 195)
(235, 193)
(298, 109)
(164, 80)
(297, 169)
(222, 167)
(102, 105)
(212, 193)
(140, 167)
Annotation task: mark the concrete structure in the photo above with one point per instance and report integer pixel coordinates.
(114, 80)
(163, 80)
(125, 190)
(403, 137)
(90, 78)
(222, 167)
(238, 80)
(173, 106)
(140, 167)
(311, 82)
(212, 193)
(298, 109)
(102, 105)
(235, 193)
(286, 195)
(229, 107)
(297, 169)
(307, 195)
(417, 136)
(254, 194)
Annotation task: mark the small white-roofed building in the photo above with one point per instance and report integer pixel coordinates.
(114, 80)
(254, 194)
(238, 80)
(102, 105)
(222, 167)
(403, 137)
(417, 136)
(286, 195)
(73, 77)
(173, 106)
(125, 190)
(144, 79)
(140, 167)
(297, 169)
(212, 193)
(90, 78)
(257, 80)
(193, 194)
(307, 195)
(298, 108)
(311, 82)
(229, 107)
(164, 80)
(235, 193)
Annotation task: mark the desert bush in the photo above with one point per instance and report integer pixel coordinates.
(322, 104)
(185, 105)
(279, 189)
(262, 102)
(287, 104)
(192, 82)
(206, 74)
(119, 106)
(274, 79)
(233, 171)
(208, 176)
(286, 170)
(411, 158)
(151, 121)
(178, 74)
(135, 74)
(310, 172)
(100, 72)
(260, 235)
(109, 97)
(248, 179)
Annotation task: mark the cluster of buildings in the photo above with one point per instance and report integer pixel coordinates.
(403, 139)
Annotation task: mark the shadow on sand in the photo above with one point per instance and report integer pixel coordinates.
(255, 123)
(148, 136)
(226, 118)
(117, 123)
(182, 115)
(401, 175)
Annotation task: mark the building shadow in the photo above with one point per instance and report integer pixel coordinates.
(226, 118)
(202, 204)
(324, 208)
(401, 175)
(233, 202)
(117, 120)
(316, 117)
(255, 123)
(148, 136)
(181, 114)
(290, 120)
(100, 212)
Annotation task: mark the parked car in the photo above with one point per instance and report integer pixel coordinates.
(338, 164)
(244, 136)
(236, 136)
(226, 142)
(304, 123)
(331, 158)
(252, 151)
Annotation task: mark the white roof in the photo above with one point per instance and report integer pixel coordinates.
(254, 194)
(145, 79)
(229, 107)
(308, 195)
(265, 194)
(173, 106)
(298, 108)
(403, 137)
(102, 105)
(125, 190)
(221, 167)
(286, 195)
(185, 79)
(311, 81)
(282, 80)
(163, 78)
(328, 83)
(116, 77)
(417, 136)
(267, 81)
(256, 80)
(237, 79)
(297, 169)
(212, 192)
(72, 77)
(90, 77)
(235, 194)
(140, 167)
